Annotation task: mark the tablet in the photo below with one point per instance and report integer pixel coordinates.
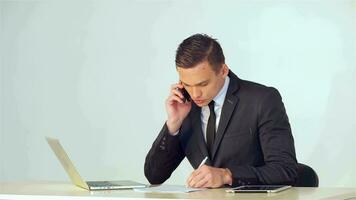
(258, 188)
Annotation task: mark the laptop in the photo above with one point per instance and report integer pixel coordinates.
(78, 181)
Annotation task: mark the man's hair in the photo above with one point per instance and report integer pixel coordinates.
(199, 48)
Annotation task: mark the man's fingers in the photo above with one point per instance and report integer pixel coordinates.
(196, 176)
(177, 93)
(202, 183)
(190, 178)
(177, 85)
(174, 98)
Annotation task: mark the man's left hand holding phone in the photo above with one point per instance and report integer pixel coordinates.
(178, 105)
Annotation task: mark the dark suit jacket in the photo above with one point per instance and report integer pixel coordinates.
(253, 140)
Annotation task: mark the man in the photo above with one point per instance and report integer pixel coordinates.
(240, 126)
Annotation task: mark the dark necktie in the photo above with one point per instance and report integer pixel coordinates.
(210, 130)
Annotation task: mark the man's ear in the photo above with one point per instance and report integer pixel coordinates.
(225, 70)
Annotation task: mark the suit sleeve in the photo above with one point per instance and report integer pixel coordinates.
(163, 158)
(277, 145)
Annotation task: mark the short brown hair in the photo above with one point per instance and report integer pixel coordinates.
(198, 48)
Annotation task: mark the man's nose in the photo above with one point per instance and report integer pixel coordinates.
(196, 93)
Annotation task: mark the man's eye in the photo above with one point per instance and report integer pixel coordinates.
(204, 84)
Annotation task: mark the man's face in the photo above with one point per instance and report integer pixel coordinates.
(202, 82)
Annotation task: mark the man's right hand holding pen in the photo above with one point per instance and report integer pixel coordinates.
(209, 177)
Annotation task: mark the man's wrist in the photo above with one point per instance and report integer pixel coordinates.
(227, 176)
(173, 128)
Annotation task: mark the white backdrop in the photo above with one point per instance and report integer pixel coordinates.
(95, 74)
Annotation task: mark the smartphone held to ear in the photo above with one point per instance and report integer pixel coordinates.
(185, 95)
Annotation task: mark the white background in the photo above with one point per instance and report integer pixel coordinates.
(95, 74)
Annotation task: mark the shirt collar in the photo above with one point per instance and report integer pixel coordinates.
(220, 97)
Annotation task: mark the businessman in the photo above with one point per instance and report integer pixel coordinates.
(240, 126)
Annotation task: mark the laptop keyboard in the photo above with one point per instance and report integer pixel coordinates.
(101, 183)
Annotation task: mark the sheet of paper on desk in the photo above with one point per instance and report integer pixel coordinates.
(168, 189)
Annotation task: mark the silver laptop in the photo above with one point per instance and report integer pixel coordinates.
(78, 181)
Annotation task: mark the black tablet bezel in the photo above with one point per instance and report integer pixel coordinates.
(259, 188)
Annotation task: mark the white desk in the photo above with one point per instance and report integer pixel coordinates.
(62, 190)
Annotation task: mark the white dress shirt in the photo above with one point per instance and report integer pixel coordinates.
(219, 101)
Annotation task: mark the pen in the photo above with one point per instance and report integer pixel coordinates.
(203, 162)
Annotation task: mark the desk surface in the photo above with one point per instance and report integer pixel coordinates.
(62, 190)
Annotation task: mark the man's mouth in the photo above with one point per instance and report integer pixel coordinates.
(199, 101)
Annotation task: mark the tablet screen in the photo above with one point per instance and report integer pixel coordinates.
(259, 188)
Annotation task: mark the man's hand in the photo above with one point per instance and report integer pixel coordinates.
(176, 109)
(209, 177)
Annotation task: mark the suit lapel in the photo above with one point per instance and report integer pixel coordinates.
(231, 101)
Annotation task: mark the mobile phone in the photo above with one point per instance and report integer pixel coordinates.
(185, 95)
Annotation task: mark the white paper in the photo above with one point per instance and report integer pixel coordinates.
(168, 189)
